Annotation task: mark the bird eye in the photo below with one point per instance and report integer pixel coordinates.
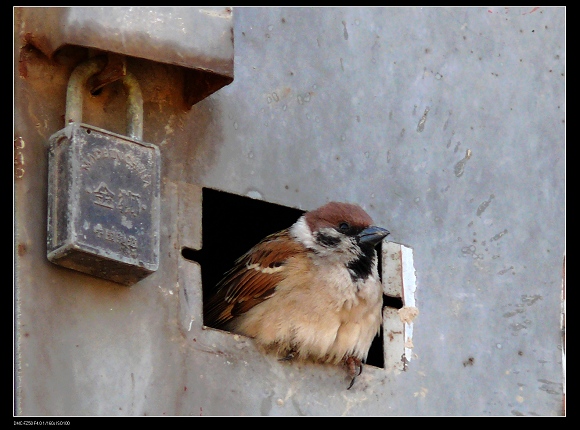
(344, 226)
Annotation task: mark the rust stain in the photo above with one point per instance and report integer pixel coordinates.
(506, 10)
(532, 11)
(22, 249)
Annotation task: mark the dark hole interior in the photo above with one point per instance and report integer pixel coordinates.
(232, 224)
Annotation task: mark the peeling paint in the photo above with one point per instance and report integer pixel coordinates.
(225, 13)
(408, 313)
(421, 393)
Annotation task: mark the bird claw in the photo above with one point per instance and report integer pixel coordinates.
(351, 383)
(352, 363)
(289, 357)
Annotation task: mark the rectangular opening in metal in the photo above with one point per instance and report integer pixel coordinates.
(231, 225)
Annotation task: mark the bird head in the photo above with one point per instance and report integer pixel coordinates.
(340, 233)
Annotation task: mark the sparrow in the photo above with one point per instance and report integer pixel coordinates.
(310, 292)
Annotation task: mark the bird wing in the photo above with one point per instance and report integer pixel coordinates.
(253, 279)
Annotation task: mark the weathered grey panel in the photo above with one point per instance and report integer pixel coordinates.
(446, 124)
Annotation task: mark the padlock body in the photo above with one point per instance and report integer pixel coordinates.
(103, 203)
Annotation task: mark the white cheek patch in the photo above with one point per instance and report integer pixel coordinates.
(301, 231)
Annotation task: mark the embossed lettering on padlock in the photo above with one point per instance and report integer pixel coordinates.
(103, 191)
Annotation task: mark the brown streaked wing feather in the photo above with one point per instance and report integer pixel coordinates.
(242, 288)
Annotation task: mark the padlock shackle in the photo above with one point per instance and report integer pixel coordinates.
(134, 107)
(77, 84)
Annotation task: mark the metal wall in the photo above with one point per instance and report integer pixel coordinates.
(446, 124)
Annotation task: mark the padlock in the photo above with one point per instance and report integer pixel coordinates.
(103, 190)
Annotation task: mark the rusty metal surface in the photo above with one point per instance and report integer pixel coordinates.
(193, 37)
(446, 124)
(199, 39)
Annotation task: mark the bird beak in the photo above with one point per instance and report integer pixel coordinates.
(372, 235)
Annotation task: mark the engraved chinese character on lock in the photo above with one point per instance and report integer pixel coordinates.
(103, 190)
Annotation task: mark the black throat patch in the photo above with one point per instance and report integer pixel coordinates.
(362, 267)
